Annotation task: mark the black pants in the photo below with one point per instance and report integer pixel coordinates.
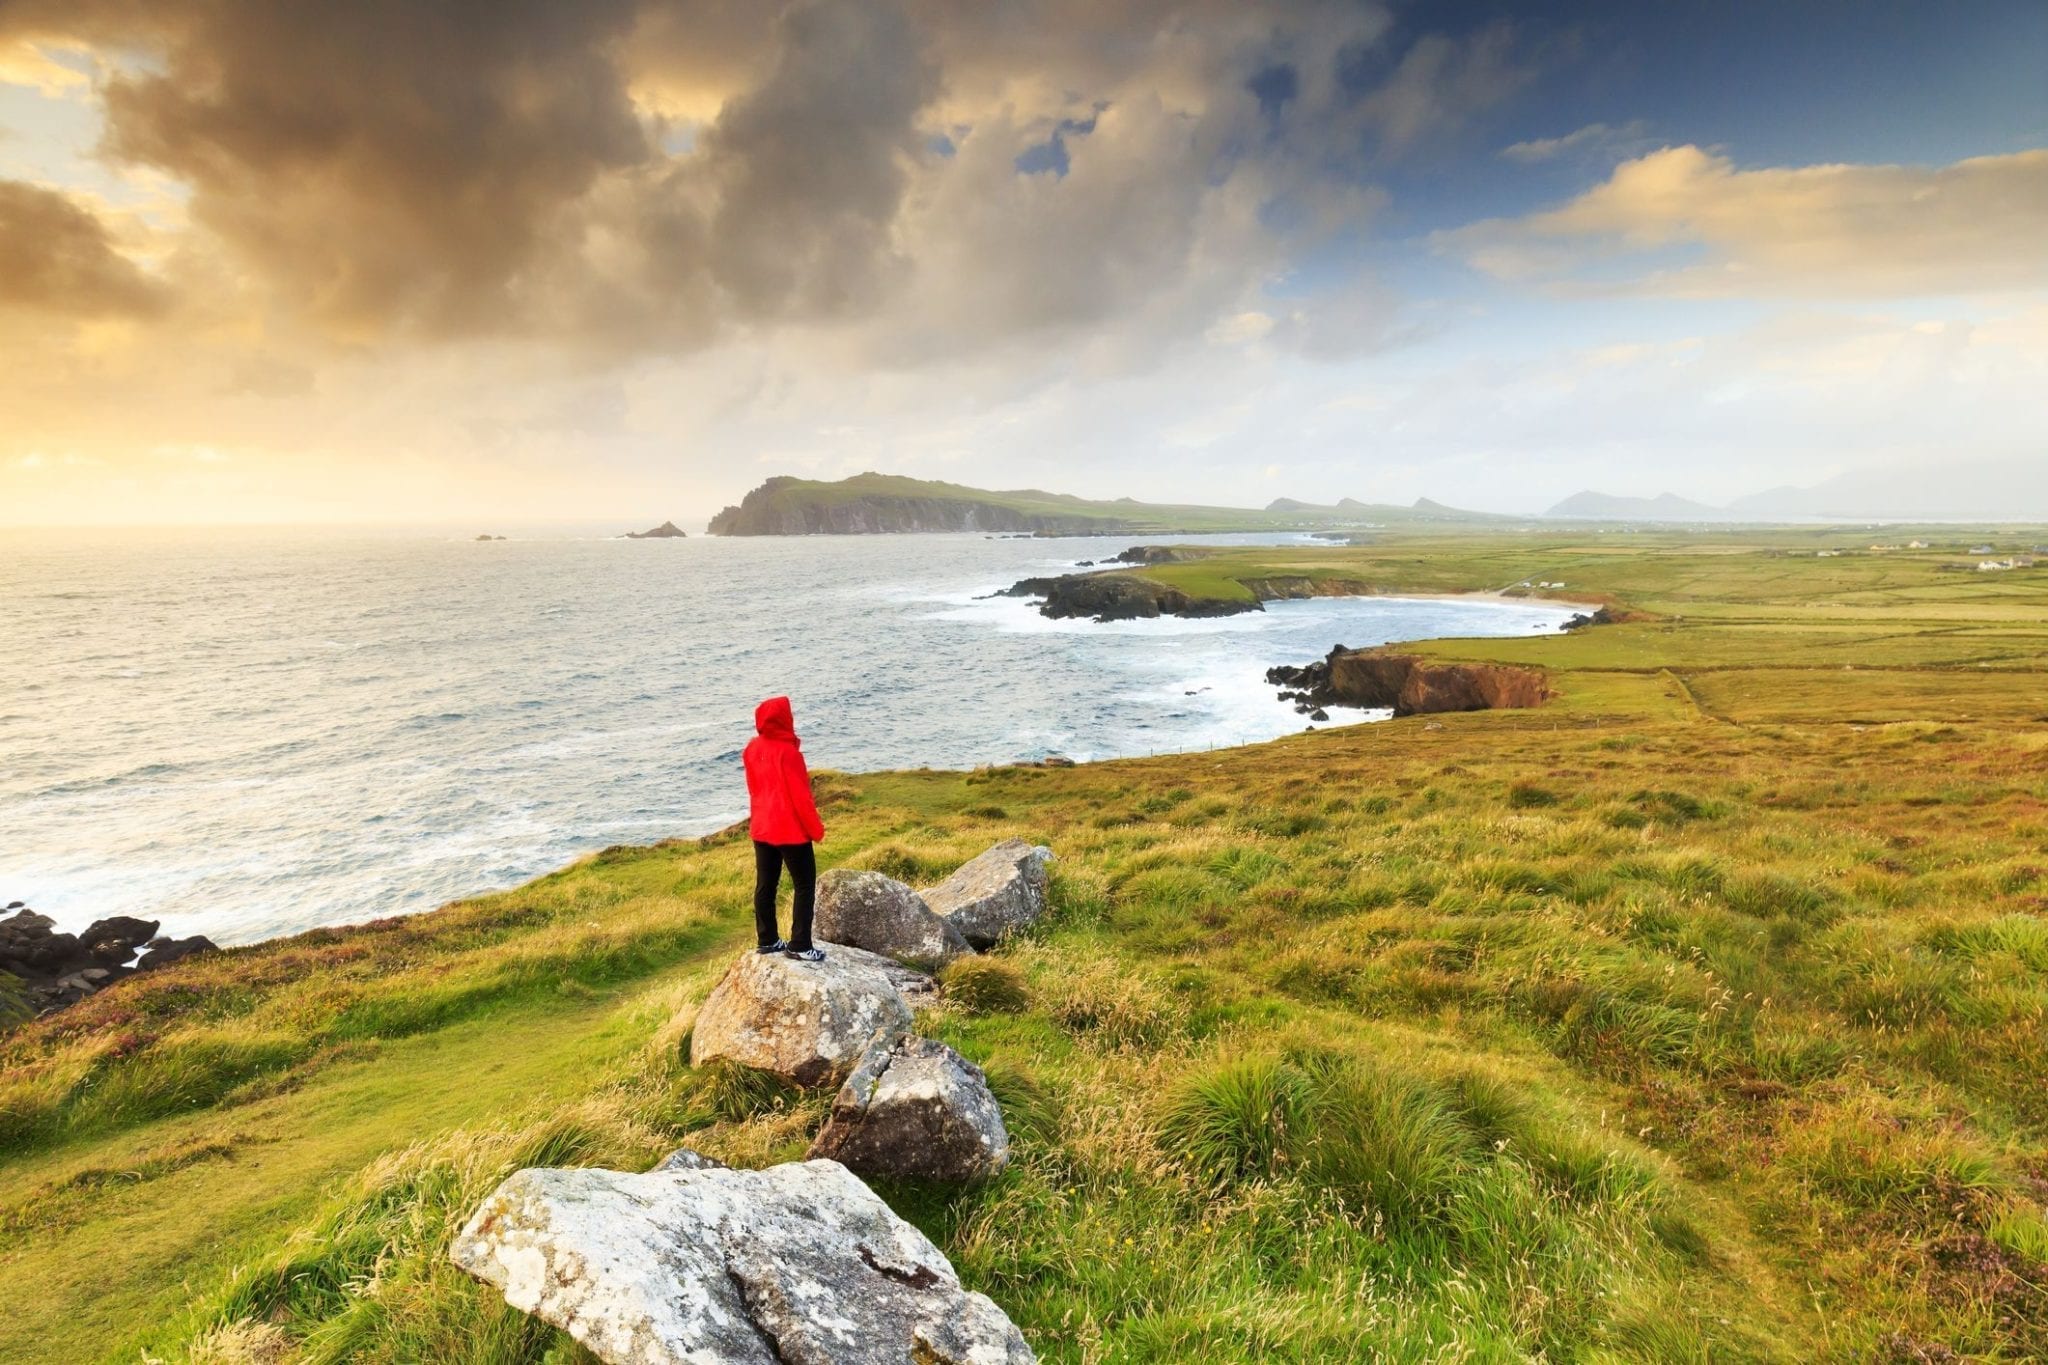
(769, 860)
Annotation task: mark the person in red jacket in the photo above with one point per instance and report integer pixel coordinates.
(783, 820)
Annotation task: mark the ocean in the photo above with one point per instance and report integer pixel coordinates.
(244, 734)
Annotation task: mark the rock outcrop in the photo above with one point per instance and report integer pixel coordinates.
(916, 1109)
(1407, 685)
(806, 1022)
(57, 969)
(1001, 892)
(668, 530)
(878, 913)
(691, 1266)
(1121, 597)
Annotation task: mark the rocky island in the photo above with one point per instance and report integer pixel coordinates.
(668, 530)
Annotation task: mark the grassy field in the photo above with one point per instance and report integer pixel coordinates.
(1696, 1016)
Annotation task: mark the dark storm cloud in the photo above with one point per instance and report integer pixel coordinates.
(59, 258)
(385, 161)
(639, 174)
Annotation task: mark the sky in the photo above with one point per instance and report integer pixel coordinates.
(485, 262)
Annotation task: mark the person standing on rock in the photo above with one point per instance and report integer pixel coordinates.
(783, 820)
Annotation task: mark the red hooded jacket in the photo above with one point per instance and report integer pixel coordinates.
(781, 810)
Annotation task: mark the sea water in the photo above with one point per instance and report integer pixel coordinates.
(245, 734)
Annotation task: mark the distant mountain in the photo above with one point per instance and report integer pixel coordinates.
(1592, 506)
(1969, 490)
(1422, 509)
(879, 503)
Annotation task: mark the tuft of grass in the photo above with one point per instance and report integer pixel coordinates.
(985, 985)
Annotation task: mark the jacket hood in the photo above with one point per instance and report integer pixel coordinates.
(772, 720)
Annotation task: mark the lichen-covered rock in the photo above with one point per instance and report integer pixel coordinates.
(882, 915)
(807, 1022)
(799, 1263)
(1002, 892)
(916, 1109)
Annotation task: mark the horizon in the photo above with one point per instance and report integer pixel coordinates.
(497, 265)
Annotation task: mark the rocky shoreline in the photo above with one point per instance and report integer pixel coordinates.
(54, 969)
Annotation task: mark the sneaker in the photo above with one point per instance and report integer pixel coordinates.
(805, 954)
(775, 947)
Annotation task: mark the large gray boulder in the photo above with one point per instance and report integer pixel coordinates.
(882, 915)
(807, 1022)
(1002, 892)
(916, 1109)
(800, 1264)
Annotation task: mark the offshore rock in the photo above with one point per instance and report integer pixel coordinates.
(999, 893)
(916, 1109)
(800, 1264)
(806, 1022)
(668, 530)
(882, 915)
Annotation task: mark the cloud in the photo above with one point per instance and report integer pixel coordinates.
(1684, 221)
(1443, 81)
(56, 256)
(1591, 140)
(381, 166)
(644, 176)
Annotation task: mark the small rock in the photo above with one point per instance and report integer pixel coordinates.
(1001, 892)
(882, 915)
(797, 1263)
(807, 1022)
(916, 1109)
(1057, 761)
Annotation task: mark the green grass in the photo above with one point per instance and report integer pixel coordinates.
(1670, 1021)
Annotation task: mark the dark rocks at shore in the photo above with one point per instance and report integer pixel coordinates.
(1405, 684)
(488, 536)
(1601, 617)
(1119, 597)
(57, 969)
(668, 530)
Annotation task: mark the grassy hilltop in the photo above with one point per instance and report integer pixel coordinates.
(869, 503)
(1698, 1015)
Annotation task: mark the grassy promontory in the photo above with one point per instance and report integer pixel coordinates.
(1697, 1015)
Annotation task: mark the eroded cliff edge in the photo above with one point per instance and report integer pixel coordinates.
(1406, 684)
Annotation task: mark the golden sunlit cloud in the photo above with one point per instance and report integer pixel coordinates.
(1857, 231)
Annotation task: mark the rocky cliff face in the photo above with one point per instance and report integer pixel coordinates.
(1406, 684)
(776, 509)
